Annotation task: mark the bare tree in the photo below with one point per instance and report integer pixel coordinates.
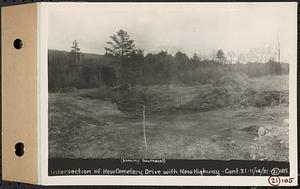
(278, 49)
(231, 56)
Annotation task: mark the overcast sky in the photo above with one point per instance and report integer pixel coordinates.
(191, 28)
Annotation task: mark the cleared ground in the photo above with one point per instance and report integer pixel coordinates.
(84, 127)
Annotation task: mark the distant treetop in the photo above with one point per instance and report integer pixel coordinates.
(75, 47)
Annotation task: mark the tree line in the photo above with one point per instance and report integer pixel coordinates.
(124, 63)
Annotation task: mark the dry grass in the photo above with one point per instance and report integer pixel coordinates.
(270, 83)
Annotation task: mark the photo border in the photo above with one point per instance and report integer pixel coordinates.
(109, 180)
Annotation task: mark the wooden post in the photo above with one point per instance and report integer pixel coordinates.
(280, 92)
(144, 125)
(99, 82)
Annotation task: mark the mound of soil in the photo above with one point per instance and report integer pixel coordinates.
(228, 91)
(264, 98)
(157, 98)
(219, 97)
(215, 97)
(233, 82)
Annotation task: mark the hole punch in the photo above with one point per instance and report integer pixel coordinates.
(19, 149)
(18, 43)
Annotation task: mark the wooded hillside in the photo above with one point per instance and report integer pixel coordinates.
(91, 70)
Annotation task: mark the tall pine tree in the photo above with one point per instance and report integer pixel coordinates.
(75, 50)
(121, 45)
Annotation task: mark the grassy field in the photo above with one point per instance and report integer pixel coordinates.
(84, 127)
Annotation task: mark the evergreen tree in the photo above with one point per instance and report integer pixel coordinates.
(75, 47)
(75, 50)
(121, 45)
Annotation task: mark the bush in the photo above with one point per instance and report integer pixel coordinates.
(272, 146)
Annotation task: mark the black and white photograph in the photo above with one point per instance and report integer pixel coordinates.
(172, 82)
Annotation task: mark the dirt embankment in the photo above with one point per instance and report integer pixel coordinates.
(84, 123)
(229, 91)
(91, 128)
